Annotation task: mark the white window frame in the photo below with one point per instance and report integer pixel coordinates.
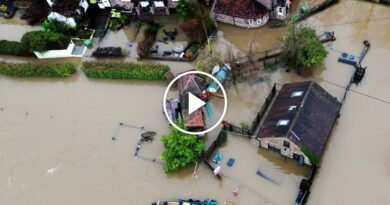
(292, 108)
(283, 122)
(258, 21)
(250, 21)
(297, 94)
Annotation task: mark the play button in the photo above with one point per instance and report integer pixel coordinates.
(199, 115)
(194, 103)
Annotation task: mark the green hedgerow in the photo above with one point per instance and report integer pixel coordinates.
(37, 69)
(118, 70)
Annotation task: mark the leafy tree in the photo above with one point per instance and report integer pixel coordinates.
(302, 49)
(181, 149)
(185, 9)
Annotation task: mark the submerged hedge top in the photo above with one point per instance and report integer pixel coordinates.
(37, 69)
(118, 70)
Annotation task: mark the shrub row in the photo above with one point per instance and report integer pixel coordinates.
(37, 69)
(13, 48)
(116, 70)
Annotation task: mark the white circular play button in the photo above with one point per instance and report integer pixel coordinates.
(194, 103)
(189, 105)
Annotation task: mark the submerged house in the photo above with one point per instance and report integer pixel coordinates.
(299, 122)
(68, 11)
(281, 9)
(140, 7)
(243, 13)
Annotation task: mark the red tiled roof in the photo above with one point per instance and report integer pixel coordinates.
(195, 119)
(247, 9)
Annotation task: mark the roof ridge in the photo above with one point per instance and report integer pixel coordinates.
(301, 106)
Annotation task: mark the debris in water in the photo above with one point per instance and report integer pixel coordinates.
(52, 170)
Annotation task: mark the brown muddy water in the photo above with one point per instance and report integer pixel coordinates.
(55, 135)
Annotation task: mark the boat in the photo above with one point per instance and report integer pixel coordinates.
(187, 202)
(327, 36)
(220, 75)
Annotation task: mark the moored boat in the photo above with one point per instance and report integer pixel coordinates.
(187, 202)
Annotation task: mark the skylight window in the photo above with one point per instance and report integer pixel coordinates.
(297, 94)
(292, 108)
(283, 122)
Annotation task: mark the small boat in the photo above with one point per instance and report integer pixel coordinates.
(187, 202)
(327, 36)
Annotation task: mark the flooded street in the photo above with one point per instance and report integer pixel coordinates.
(55, 134)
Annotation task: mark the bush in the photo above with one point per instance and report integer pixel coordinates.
(312, 158)
(37, 69)
(13, 48)
(180, 149)
(44, 40)
(185, 9)
(63, 28)
(209, 23)
(116, 70)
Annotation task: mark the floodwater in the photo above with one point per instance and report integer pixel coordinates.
(55, 134)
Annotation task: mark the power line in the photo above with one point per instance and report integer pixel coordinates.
(355, 91)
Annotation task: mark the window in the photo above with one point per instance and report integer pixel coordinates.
(283, 122)
(280, 10)
(250, 21)
(297, 94)
(286, 144)
(258, 21)
(292, 108)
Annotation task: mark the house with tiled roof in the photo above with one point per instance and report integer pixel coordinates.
(299, 122)
(243, 13)
(140, 7)
(68, 11)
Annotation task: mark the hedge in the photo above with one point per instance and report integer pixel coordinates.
(13, 48)
(37, 69)
(117, 70)
(42, 41)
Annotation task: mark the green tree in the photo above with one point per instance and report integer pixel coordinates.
(302, 49)
(185, 9)
(180, 149)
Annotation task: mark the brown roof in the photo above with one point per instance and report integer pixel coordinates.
(248, 9)
(310, 123)
(191, 83)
